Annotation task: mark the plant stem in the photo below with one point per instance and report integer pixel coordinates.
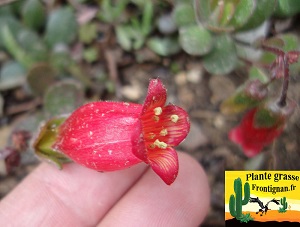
(285, 84)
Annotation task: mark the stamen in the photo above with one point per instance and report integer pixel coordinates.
(157, 111)
(160, 144)
(174, 118)
(163, 132)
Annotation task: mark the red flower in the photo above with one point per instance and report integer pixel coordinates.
(253, 138)
(108, 136)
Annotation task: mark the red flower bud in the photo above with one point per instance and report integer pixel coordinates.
(260, 126)
(108, 136)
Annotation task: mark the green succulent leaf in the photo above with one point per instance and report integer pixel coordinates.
(12, 23)
(195, 40)
(287, 8)
(12, 75)
(63, 98)
(33, 45)
(14, 48)
(263, 10)
(223, 58)
(183, 14)
(164, 46)
(61, 27)
(33, 14)
(227, 17)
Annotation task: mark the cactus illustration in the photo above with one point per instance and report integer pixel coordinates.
(284, 205)
(236, 202)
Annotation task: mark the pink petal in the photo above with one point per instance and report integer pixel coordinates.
(99, 135)
(164, 162)
(156, 97)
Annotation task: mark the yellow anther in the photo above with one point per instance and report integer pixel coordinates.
(163, 132)
(157, 111)
(160, 144)
(174, 118)
(156, 118)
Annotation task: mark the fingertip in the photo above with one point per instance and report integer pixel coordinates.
(151, 202)
(192, 179)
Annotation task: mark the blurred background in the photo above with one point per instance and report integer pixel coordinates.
(56, 55)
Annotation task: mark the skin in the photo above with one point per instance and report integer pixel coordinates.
(77, 196)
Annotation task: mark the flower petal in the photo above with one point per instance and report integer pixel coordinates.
(165, 163)
(139, 150)
(156, 96)
(176, 122)
(252, 139)
(98, 135)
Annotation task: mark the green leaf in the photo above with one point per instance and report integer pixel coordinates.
(263, 10)
(146, 25)
(287, 8)
(90, 54)
(60, 59)
(88, 33)
(61, 27)
(257, 73)
(195, 40)
(243, 11)
(12, 23)
(110, 12)
(40, 76)
(15, 49)
(222, 59)
(12, 75)
(183, 14)
(63, 98)
(164, 46)
(33, 45)
(33, 14)
(129, 38)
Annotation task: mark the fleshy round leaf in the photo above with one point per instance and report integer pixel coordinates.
(13, 24)
(33, 14)
(243, 11)
(263, 10)
(195, 40)
(227, 16)
(164, 46)
(63, 98)
(61, 27)
(12, 75)
(287, 8)
(40, 76)
(183, 14)
(33, 45)
(222, 59)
